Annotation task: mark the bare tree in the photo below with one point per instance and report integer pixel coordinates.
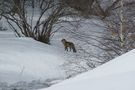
(115, 37)
(92, 7)
(120, 30)
(33, 18)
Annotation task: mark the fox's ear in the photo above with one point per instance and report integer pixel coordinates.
(63, 40)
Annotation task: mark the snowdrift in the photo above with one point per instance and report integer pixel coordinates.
(118, 74)
(24, 59)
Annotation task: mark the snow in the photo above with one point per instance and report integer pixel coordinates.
(117, 74)
(24, 59)
(7, 34)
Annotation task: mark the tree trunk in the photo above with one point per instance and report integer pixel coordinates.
(121, 25)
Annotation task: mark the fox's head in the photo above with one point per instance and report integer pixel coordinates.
(63, 40)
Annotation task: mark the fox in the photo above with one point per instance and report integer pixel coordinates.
(69, 45)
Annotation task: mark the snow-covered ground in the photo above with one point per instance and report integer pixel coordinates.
(24, 59)
(117, 74)
(27, 64)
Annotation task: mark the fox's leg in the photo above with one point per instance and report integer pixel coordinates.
(66, 49)
(70, 48)
(74, 50)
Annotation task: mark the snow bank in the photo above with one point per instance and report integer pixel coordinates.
(24, 59)
(7, 34)
(117, 74)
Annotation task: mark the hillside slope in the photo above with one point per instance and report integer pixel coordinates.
(117, 74)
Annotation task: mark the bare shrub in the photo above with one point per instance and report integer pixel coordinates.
(34, 18)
